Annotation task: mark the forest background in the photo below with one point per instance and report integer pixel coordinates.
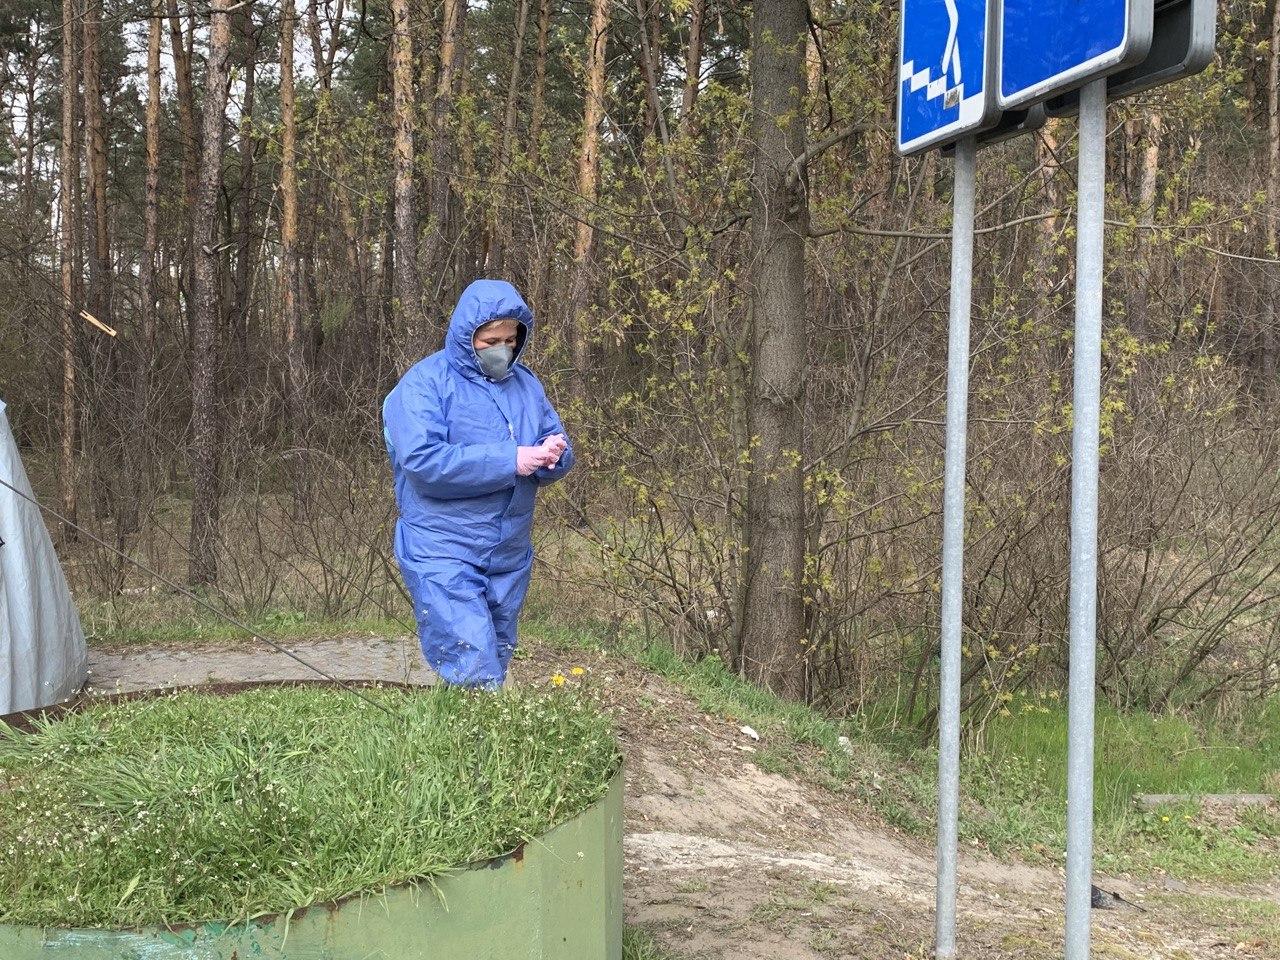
(226, 229)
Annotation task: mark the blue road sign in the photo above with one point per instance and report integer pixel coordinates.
(1051, 46)
(944, 72)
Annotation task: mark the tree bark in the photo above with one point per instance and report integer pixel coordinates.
(432, 256)
(1151, 166)
(294, 355)
(648, 56)
(27, 194)
(692, 67)
(242, 281)
(151, 200)
(69, 263)
(408, 283)
(538, 109)
(187, 124)
(145, 346)
(588, 180)
(96, 145)
(325, 56)
(1270, 335)
(499, 219)
(202, 568)
(1047, 155)
(772, 647)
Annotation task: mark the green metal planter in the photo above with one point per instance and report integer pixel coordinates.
(558, 897)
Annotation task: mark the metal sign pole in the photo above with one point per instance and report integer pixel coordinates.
(953, 544)
(1084, 512)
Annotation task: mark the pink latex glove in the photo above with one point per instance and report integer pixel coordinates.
(529, 459)
(555, 444)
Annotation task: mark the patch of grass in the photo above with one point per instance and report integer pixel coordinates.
(1255, 924)
(694, 885)
(1015, 791)
(1181, 843)
(193, 807)
(637, 944)
(1014, 776)
(1140, 753)
(780, 912)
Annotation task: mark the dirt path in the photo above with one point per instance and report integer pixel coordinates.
(727, 861)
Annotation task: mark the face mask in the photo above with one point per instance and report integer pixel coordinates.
(496, 361)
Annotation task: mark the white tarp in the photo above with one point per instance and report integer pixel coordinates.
(42, 651)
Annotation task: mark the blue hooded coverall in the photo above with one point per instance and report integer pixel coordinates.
(463, 537)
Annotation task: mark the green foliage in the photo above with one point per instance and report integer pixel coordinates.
(194, 807)
(650, 530)
(637, 944)
(1013, 771)
(1141, 753)
(194, 627)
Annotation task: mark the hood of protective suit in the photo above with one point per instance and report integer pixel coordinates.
(482, 301)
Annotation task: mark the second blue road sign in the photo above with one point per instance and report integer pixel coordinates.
(1050, 46)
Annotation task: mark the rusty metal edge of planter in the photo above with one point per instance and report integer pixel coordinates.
(556, 897)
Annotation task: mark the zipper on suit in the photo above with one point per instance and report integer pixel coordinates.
(492, 391)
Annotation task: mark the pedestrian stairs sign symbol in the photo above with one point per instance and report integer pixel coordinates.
(945, 70)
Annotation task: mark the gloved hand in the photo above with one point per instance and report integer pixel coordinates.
(529, 459)
(555, 444)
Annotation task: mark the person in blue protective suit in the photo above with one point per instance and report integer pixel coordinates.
(472, 436)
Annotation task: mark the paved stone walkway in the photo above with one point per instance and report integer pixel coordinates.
(394, 659)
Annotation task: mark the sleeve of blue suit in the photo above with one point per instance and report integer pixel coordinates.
(551, 425)
(418, 439)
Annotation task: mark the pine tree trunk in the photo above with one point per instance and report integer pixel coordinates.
(644, 24)
(151, 198)
(588, 180)
(1047, 155)
(96, 144)
(500, 219)
(408, 283)
(27, 195)
(292, 288)
(773, 629)
(68, 248)
(1151, 167)
(692, 67)
(295, 353)
(468, 252)
(1270, 335)
(202, 568)
(145, 345)
(187, 123)
(434, 248)
(538, 109)
(242, 279)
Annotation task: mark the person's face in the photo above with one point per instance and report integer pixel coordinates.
(497, 333)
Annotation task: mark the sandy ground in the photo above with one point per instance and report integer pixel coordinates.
(724, 860)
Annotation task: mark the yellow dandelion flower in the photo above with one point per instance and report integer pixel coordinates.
(558, 679)
(1164, 819)
(577, 671)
